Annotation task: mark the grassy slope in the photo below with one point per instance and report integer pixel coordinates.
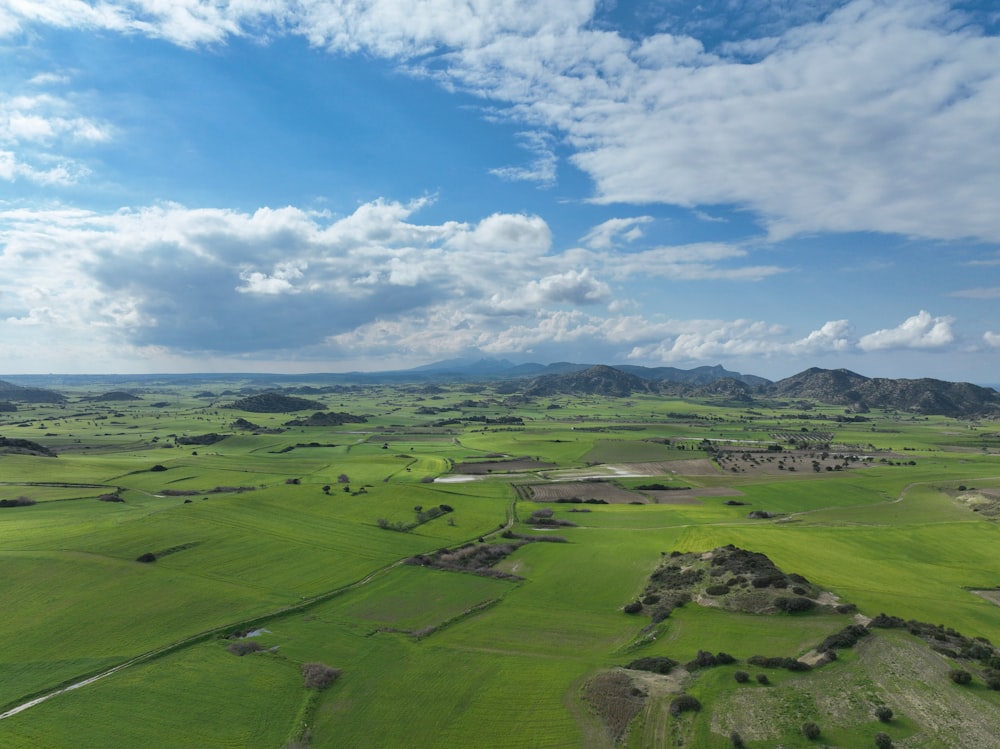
(505, 660)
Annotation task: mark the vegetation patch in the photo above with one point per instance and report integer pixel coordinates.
(274, 403)
(729, 578)
(616, 700)
(19, 446)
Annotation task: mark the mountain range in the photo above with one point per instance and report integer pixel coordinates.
(840, 387)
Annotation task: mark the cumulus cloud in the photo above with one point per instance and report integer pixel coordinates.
(36, 133)
(856, 116)
(992, 338)
(918, 332)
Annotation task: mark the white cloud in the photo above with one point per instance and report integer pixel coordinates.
(542, 168)
(605, 235)
(992, 338)
(918, 332)
(877, 117)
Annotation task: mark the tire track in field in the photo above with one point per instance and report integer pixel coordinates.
(205, 635)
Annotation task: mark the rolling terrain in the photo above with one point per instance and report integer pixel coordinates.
(580, 558)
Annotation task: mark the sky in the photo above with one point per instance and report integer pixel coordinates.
(354, 185)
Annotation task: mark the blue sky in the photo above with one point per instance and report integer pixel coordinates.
(304, 186)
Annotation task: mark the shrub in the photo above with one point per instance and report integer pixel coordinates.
(632, 608)
(17, 502)
(762, 679)
(717, 590)
(794, 605)
(736, 740)
(319, 675)
(244, 647)
(742, 677)
(960, 676)
(656, 664)
(146, 558)
(883, 713)
(684, 703)
(810, 730)
(157, 468)
(883, 740)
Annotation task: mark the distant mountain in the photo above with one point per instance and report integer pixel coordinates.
(696, 376)
(596, 380)
(923, 396)
(11, 392)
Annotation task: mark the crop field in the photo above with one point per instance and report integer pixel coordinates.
(477, 570)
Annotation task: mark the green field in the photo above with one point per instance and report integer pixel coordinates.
(307, 535)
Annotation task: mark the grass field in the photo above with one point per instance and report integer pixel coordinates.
(303, 534)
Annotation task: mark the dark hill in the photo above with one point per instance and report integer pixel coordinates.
(11, 392)
(332, 419)
(923, 396)
(598, 380)
(274, 403)
(24, 447)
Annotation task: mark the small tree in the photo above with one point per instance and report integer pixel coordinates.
(736, 740)
(810, 730)
(762, 679)
(883, 740)
(960, 676)
(883, 713)
(684, 703)
(319, 675)
(742, 677)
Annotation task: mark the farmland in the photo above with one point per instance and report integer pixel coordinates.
(314, 544)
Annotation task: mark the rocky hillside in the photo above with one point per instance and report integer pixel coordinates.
(922, 396)
(839, 387)
(597, 380)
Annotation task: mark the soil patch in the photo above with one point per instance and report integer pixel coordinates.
(584, 490)
(479, 468)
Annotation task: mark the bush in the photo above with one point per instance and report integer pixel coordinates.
(632, 608)
(742, 677)
(883, 740)
(736, 740)
(318, 675)
(146, 558)
(244, 647)
(656, 664)
(17, 502)
(684, 703)
(717, 590)
(762, 679)
(810, 730)
(883, 713)
(794, 605)
(157, 468)
(960, 676)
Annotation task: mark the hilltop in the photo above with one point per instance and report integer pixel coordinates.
(839, 387)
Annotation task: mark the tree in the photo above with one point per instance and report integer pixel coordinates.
(960, 676)
(810, 730)
(883, 740)
(318, 675)
(883, 713)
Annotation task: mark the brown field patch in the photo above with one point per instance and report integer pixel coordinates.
(693, 467)
(514, 465)
(584, 490)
